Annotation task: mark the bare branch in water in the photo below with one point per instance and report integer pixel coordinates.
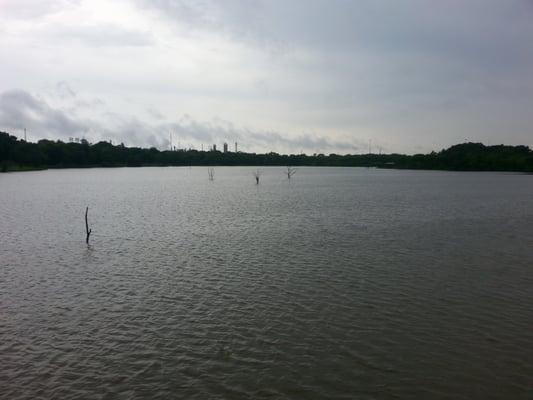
(290, 172)
(257, 174)
(87, 226)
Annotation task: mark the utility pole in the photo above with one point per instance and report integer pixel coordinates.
(25, 135)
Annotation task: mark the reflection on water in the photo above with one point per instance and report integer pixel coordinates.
(342, 283)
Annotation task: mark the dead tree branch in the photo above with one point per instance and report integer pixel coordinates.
(256, 175)
(87, 226)
(290, 172)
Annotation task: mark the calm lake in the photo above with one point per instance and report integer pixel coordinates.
(342, 283)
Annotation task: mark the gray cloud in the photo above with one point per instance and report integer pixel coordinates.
(64, 90)
(451, 27)
(20, 109)
(218, 131)
(306, 143)
(414, 46)
(90, 103)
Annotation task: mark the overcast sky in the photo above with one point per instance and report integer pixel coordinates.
(274, 75)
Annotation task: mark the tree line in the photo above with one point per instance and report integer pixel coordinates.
(17, 154)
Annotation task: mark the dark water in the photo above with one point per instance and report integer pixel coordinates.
(343, 284)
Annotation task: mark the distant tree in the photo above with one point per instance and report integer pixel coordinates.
(19, 154)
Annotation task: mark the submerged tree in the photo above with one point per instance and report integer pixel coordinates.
(88, 231)
(290, 172)
(256, 174)
(211, 173)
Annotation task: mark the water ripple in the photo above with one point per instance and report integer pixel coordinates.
(344, 283)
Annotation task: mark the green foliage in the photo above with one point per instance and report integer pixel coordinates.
(17, 154)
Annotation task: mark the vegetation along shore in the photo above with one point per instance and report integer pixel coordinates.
(19, 155)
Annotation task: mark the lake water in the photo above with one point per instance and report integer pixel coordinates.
(344, 283)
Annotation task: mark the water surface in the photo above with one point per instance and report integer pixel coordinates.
(345, 283)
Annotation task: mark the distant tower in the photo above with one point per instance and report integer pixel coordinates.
(214, 147)
(225, 147)
(235, 147)
(25, 135)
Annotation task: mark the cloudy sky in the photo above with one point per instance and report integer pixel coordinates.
(274, 75)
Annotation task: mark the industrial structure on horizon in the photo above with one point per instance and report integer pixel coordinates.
(225, 146)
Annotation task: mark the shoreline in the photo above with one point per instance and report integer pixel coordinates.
(34, 169)
(19, 155)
